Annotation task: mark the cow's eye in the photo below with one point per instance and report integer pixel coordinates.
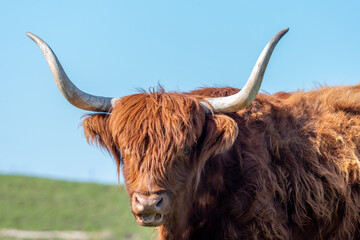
(186, 150)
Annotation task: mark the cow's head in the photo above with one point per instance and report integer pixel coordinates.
(161, 140)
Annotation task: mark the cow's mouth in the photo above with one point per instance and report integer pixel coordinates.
(150, 219)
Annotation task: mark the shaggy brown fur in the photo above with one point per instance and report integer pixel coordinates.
(286, 167)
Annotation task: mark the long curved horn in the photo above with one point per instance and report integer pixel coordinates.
(243, 98)
(68, 89)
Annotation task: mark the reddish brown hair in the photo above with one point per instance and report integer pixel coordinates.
(286, 167)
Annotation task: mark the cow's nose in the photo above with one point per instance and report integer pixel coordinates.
(150, 209)
(145, 204)
(153, 203)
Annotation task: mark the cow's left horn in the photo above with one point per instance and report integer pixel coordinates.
(247, 94)
(74, 95)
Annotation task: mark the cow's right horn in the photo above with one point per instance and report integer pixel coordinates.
(74, 95)
(247, 94)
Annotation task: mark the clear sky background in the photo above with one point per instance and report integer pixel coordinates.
(113, 48)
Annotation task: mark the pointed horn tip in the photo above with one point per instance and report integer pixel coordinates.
(282, 32)
(32, 36)
(29, 34)
(279, 35)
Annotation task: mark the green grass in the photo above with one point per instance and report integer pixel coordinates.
(29, 203)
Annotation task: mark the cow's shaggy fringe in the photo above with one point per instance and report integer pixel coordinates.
(286, 167)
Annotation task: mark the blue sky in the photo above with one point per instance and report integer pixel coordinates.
(113, 48)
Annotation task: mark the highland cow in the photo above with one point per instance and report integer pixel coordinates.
(224, 163)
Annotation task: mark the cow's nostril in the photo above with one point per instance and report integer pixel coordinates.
(159, 204)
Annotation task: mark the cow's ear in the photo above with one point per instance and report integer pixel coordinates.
(96, 129)
(97, 132)
(220, 134)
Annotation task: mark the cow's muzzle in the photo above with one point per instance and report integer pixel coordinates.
(150, 210)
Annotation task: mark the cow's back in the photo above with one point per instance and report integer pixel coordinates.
(294, 169)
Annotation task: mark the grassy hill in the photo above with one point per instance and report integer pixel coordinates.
(40, 204)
